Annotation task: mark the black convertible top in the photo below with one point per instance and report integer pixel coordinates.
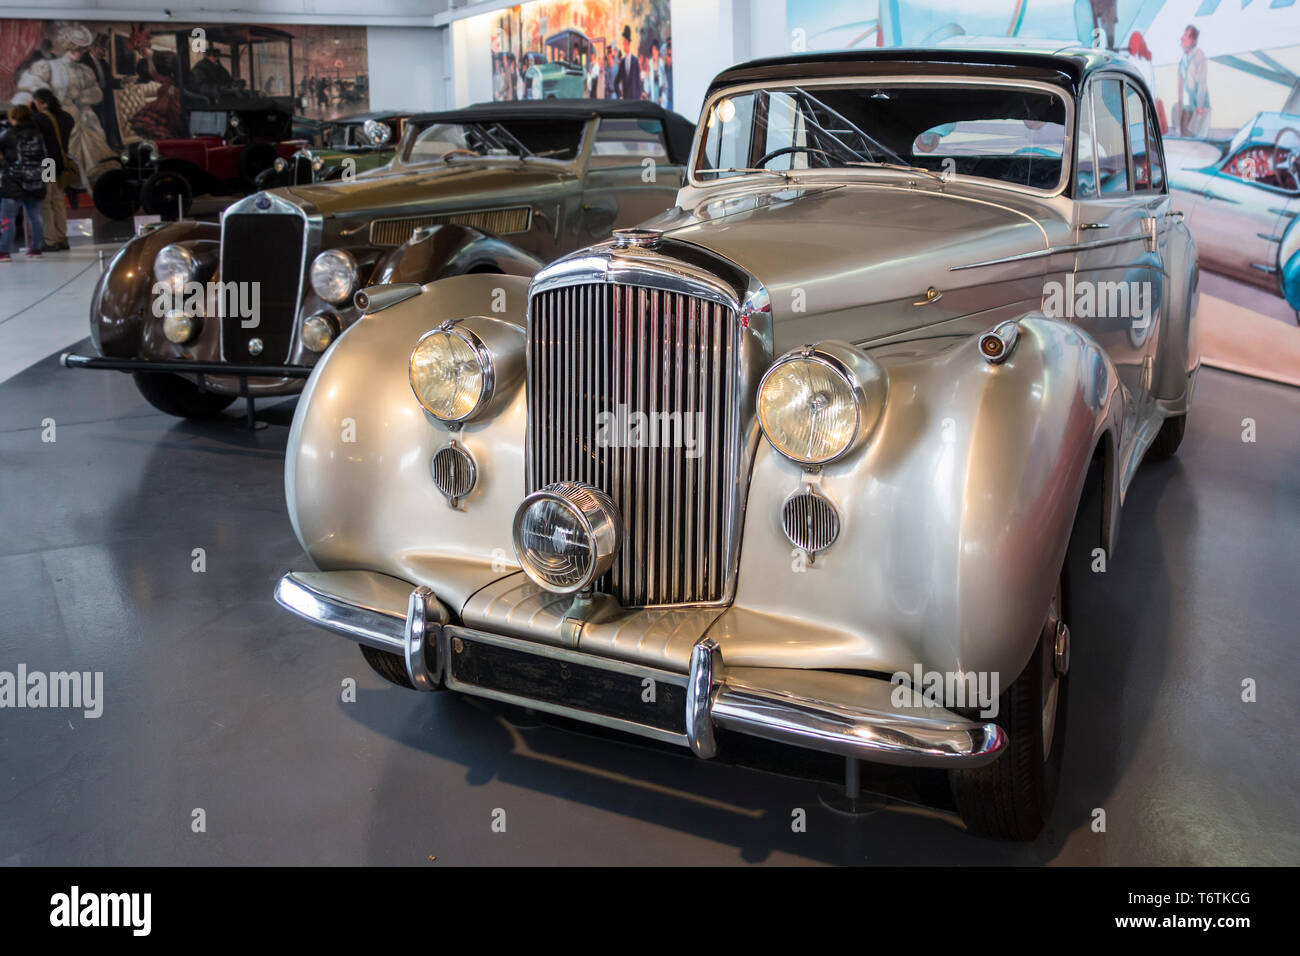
(1065, 66)
(678, 130)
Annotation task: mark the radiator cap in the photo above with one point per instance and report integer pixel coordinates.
(637, 238)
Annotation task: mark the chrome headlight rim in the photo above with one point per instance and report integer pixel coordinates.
(487, 371)
(169, 275)
(348, 262)
(600, 522)
(858, 372)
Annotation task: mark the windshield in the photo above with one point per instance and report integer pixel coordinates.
(533, 138)
(1009, 134)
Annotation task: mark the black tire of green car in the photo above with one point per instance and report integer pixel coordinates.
(166, 194)
(388, 666)
(177, 396)
(115, 194)
(1169, 437)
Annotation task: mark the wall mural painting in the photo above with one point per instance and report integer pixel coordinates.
(606, 49)
(1226, 80)
(127, 81)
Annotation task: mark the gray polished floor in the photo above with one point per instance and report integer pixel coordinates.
(216, 700)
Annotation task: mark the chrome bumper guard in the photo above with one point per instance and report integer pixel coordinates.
(687, 708)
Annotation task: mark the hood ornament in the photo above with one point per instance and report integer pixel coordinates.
(637, 238)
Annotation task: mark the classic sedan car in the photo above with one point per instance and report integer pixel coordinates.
(204, 312)
(1243, 202)
(802, 459)
(363, 142)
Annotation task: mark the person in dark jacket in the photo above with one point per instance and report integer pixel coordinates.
(23, 177)
(56, 126)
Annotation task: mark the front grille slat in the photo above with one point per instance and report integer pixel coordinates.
(618, 362)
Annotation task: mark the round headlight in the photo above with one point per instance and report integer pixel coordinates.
(179, 327)
(174, 265)
(280, 164)
(451, 373)
(319, 331)
(334, 275)
(817, 404)
(566, 536)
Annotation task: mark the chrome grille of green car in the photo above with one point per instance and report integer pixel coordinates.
(633, 390)
(500, 222)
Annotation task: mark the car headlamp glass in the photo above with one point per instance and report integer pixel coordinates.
(566, 535)
(319, 331)
(451, 374)
(809, 408)
(174, 265)
(179, 327)
(334, 275)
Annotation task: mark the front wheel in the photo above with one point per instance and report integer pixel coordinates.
(1012, 798)
(388, 666)
(178, 396)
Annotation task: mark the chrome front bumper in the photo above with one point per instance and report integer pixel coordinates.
(848, 715)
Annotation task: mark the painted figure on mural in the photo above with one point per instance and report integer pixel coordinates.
(74, 83)
(1104, 18)
(1193, 118)
(628, 83)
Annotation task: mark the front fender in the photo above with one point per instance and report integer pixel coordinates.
(954, 518)
(441, 251)
(357, 467)
(120, 304)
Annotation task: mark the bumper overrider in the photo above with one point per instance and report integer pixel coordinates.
(686, 709)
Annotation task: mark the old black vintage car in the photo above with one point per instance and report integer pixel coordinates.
(498, 188)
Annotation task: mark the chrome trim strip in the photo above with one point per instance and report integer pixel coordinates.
(1054, 250)
(363, 625)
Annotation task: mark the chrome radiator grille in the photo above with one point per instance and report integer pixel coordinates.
(607, 358)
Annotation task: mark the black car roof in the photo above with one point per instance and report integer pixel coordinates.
(678, 130)
(1066, 67)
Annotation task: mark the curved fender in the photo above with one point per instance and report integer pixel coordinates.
(1179, 343)
(441, 251)
(955, 517)
(357, 467)
(121, 300)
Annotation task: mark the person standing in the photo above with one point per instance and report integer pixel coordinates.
(668, 74)
(55, 124)
(1193, 88)
(628, 83)
(22, 180)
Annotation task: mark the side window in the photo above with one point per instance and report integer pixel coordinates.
(1112, 156)
(1139, 146)
(1154, 156)
(1085, 176)
(625, 138)
(726, 140)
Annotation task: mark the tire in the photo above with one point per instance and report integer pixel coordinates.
(115, 195)
(388, 666)
(1169, 437)
(174, 395)
(1012, 798)
(162, 191)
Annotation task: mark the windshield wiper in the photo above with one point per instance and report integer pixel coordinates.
(900, 167)
(783, 173)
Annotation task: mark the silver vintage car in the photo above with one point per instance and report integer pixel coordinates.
(800, 460)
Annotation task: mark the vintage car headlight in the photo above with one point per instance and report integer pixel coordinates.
(179, 327)
(175, 265)
(319, 330)
(566, 535)
(334, 275)
(451, 373)
(818, 403)
(280, 164)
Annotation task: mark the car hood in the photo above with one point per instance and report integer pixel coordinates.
(839, 249)
(464, 184)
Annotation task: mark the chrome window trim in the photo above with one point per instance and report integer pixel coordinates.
(860, 174)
